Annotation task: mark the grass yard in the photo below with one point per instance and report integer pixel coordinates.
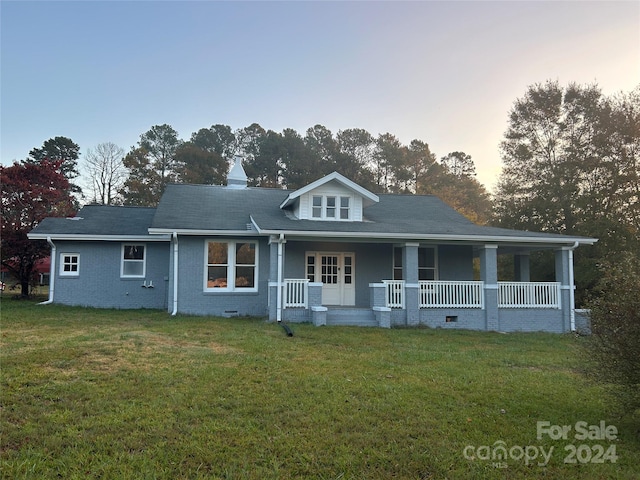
(138, 394)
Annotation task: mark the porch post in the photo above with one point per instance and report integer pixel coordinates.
(521, 266)
(273, 277)
(410, 275)
(489, 275)
(564, 276)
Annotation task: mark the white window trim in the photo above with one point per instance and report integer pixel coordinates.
(231, 267)
(144, 260)
(62, 264)
(337, 207)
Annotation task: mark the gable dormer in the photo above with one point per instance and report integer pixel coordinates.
(331, 198)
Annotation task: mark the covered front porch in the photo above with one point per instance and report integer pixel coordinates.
(413, 284)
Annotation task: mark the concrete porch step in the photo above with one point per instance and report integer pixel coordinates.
(350, 316)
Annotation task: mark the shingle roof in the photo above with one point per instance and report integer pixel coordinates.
(202, 207)
(100, 220)
(206, 208)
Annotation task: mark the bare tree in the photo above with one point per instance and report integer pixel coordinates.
(106, 172)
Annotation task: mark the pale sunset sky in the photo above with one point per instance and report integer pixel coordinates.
(446, 73)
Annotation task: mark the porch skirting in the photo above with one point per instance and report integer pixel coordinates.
(509, 320)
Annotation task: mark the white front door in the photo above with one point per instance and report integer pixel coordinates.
(336, 271)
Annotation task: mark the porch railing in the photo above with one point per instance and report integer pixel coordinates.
(296, 293)
(528, 295)
(446, 294)
(394, 293)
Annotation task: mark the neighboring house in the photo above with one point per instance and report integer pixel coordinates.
(331, 252)
(41, 269)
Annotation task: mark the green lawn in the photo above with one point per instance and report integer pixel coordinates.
(138, 394)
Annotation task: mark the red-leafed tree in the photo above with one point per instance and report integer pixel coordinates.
(30, 192)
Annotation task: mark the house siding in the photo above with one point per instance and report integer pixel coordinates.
(331, 189)
(372, 263)
(469, 319)
(455, 262)
(193, 300)
(99, 284)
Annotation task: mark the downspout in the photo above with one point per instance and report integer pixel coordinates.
(572, 288)
(175, 274)
(52, 273)
(279, 291)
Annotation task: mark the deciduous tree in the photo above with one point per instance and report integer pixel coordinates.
(571, 158)
(31, 191)
(143, 186)
(106, 172)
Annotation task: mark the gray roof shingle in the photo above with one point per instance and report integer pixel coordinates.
(100, 220)
(206, 208)
(203, 207)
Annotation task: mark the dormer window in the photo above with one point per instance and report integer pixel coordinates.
(344, 208)
(332, 198)
(330, 207)
(317, 206)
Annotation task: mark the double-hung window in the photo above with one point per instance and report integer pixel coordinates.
(133, 260)
(426, 264)
(69, 264)
(427, 269)
(231, 266)
(330, 211)
(344, 208)
(316, 206)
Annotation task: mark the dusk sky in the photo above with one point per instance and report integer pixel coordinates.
(444, 73)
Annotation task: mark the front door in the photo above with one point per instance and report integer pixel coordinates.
(337, 273)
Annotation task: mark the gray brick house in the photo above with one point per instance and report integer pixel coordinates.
(331, 252)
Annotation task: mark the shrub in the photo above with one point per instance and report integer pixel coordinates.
(613, 349)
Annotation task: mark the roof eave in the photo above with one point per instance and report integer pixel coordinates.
(106, 238)
(201, 232)
(430, 237)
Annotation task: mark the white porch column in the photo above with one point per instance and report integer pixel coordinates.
(564, 276)
(489, 275)
(276, 268)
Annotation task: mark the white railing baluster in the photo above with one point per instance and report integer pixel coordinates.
(296, 292)
(451, 294)
(394, 293)
(528, 295)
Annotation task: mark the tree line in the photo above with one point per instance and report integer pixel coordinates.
(570, 165)
(290, 160)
